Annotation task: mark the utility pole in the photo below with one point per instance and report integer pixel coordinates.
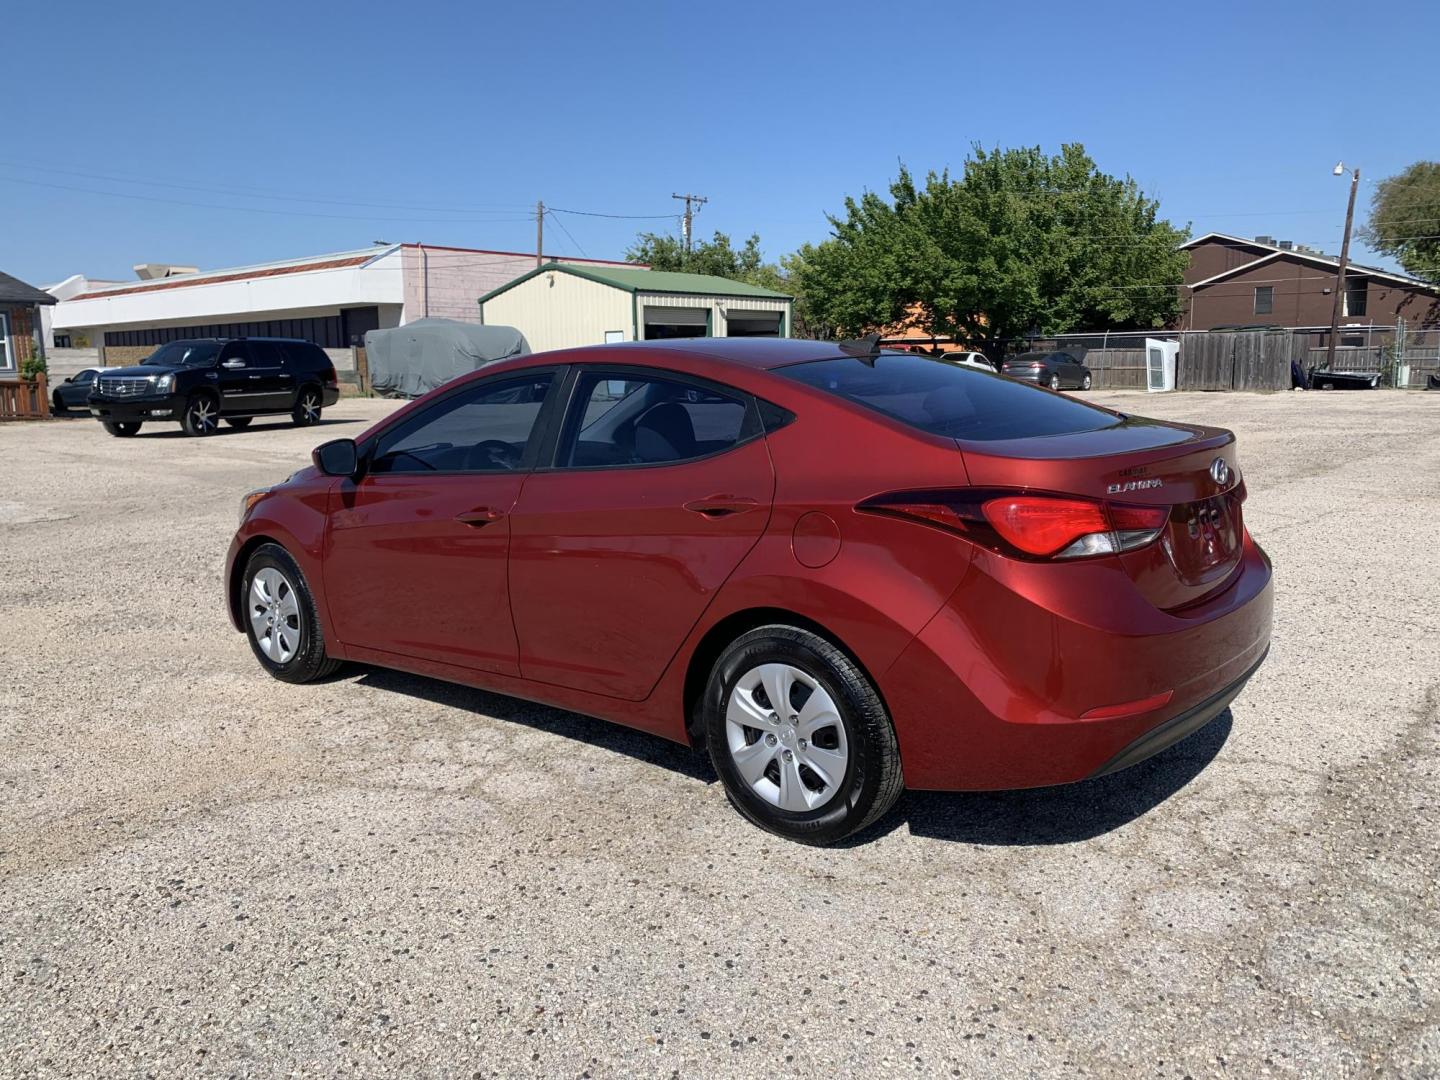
(698, 200)
(539, 233)
(1340, 269)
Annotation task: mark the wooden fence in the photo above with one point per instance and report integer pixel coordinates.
(1117, 369)
(21, 400)
(1252, 360)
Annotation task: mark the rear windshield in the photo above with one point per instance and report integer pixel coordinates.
(943, 399)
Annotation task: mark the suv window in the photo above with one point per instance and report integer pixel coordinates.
(265, 354)
(485, 428)
(625, 419)
(943, 399)
(304, 356)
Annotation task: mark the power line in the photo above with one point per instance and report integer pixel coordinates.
(567, 233)
(625, 217)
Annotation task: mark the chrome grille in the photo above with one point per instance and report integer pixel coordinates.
(124, 385)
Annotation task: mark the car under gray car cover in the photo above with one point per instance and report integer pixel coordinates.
(413, 359)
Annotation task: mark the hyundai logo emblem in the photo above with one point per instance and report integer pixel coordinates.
(1219, 471)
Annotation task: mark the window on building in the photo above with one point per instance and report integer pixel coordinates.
(7, 353)
(1355, 297)
(1264, 299)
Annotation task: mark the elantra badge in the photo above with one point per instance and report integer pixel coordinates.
(1220, 472)
(1134, 485)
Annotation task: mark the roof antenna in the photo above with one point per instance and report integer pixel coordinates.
(865, 349)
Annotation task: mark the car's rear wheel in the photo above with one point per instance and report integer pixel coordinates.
(1054, 382)
(1085, 383)
(122, 428)
(202, 415)
(307, 407)
(239, 421)
(799, 737)
(281, 619)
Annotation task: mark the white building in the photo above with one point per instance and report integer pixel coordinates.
(564, 305)
(328, 299)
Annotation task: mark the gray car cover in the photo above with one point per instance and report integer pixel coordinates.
(415, 358)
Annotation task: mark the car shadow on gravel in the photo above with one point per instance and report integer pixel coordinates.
(640, 745)
(1056, 815)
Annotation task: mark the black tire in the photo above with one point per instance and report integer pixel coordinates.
(122, 429)
(308, 406)
(304, 659)
(1054, 382)
(872, 779)
(201, 416)
(239, 421)
(57, 403)
(1085, 383)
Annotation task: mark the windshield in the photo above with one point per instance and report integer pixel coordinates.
(948, 399)
(184, 354)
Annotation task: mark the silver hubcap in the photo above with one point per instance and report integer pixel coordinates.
(310, 408)
(786, 737)
(202, 415)
(274, 614)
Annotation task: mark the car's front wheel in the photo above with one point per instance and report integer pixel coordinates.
(799, 737)
(202, 415)
(122, 428)
(281, 619)
(307, 407)
(57, 403)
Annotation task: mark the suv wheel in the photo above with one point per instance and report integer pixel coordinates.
(202, 414)
(281, 619)
(122, 428)
(799, 737)
(307, 407)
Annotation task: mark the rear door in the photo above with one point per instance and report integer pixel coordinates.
(268, 378)
(660, 485)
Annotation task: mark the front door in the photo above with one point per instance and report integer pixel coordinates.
(417, 548)
(661, 486)
(240, 383)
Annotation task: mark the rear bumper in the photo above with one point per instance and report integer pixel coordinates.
(1028, 677)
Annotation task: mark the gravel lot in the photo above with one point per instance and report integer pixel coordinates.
(203, 870)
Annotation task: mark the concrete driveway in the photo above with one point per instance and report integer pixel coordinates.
(204, 870)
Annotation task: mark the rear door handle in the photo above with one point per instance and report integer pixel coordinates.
(718, 506)
(480, 516)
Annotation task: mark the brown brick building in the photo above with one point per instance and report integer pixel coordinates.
(1234, 282)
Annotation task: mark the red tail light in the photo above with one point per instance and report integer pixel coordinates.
(330, 376)
(1028, 525)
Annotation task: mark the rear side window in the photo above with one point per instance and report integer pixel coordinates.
(634, 420)
(943, 399)
(303, 356)
(265, 354)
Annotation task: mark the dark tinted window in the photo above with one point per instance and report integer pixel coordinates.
(629, 420)
(303, 356)
(943, 399)
(484, 428)
(86, 376)
(184, 354)
(265, 354)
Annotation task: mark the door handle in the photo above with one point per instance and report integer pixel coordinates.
(254, 376)
(480, 516)
(718, 506)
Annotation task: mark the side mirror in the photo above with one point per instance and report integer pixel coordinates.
(70, 379)
(233, 363)
(338, 457)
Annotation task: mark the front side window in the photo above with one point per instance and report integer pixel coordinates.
(1264, 299)
(622, 419)
(948, 400)
(484, 428)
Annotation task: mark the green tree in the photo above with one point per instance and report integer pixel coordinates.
(1021, 242)
(715, 256)
(1405, 219)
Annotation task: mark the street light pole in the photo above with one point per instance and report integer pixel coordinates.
(1340, 268)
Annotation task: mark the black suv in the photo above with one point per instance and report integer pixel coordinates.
(201, 381)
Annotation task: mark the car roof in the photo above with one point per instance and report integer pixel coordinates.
(194, 340)
(765, 354)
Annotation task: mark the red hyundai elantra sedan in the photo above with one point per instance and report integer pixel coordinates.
(841, 572)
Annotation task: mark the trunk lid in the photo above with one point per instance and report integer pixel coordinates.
(1191, 470)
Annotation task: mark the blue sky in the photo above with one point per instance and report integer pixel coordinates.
(458, 117)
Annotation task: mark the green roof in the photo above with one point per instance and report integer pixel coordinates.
(633, 279)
